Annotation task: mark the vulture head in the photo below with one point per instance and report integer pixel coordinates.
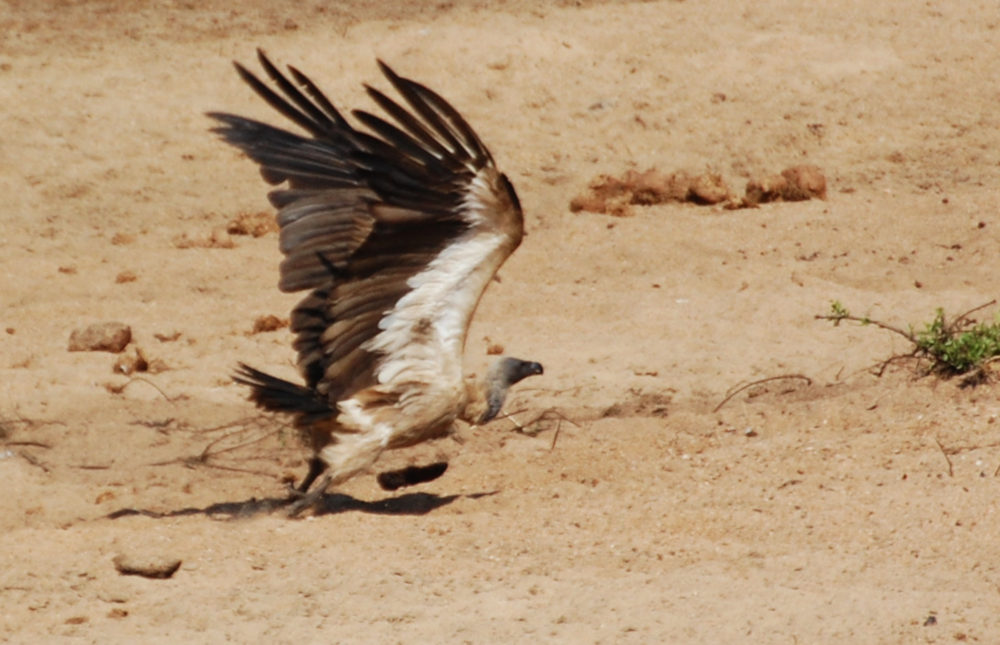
(501, 375)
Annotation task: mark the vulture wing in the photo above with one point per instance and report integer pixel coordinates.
(395, 229)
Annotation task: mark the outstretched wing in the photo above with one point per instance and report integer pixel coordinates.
(396, 229)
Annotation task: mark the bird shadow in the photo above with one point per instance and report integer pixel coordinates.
(329, 504)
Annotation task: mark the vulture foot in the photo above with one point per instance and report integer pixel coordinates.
(300, 501)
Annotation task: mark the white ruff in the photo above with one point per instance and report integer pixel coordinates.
(423, 335)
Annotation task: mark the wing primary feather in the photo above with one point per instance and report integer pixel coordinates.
(324, 103)
(409, 122)
(276, 101)
(453, 121)
(402, 167)
(439, 114)
(404, 87)
(320, 120)
(402, 141)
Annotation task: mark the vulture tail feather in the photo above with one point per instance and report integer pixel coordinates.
(278, 395)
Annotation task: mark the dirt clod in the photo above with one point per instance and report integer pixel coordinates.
(147, 566)
(616, 195)
(100, 337)
(256, 224)
(125, 276)
(267, 323)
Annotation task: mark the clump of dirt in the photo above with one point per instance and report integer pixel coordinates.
(794, 184)
(270, 322)
(129, 364)
(218, 239)
(616, 195)
(493, 348)
(255, 224)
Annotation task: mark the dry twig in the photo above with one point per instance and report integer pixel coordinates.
(746, 386)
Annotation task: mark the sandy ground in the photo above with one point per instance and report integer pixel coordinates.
(846, 509)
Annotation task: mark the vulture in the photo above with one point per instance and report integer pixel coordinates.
(394, 230)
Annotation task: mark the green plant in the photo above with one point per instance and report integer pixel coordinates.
(956, 346)
(959, 350)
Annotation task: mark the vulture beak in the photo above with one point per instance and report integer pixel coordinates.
(524, 369)
(502, 374)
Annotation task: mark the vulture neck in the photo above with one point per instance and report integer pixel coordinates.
(477, 390)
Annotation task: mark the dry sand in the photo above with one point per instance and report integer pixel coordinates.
(854, 509)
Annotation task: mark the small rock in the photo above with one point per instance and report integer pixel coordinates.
(147, 566)
(115, 595)
(101, 337)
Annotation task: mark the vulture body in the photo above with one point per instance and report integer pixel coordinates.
(395, 231)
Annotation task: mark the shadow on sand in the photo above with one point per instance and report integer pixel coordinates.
(331, 503)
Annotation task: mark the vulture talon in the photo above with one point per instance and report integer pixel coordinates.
(310, 500)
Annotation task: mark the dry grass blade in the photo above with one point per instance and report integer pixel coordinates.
(944, 453)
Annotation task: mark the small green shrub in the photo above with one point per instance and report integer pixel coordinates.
(959, 351)
(956, 346)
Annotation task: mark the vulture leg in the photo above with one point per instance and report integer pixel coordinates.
(350, 455)
(316, 468)
(310, 499)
